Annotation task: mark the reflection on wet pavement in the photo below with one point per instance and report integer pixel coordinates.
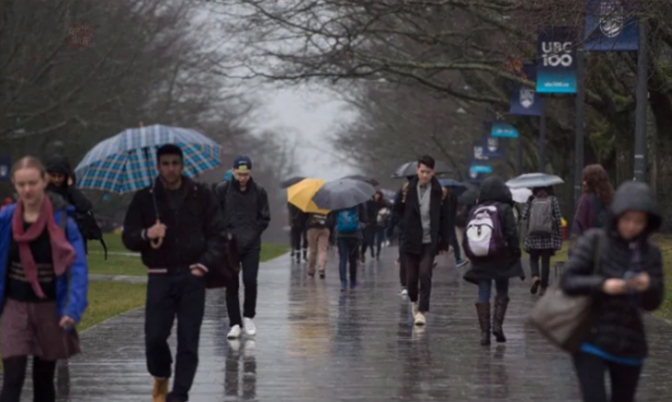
(318, 344)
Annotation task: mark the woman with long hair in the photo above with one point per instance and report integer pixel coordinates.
(43, 283)
(592, 208)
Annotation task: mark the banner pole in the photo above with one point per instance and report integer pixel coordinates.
(579, 126)
(641, 103)
(542, 136)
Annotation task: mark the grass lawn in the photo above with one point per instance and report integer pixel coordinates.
(131, 265)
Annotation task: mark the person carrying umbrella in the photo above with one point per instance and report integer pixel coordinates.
(424, 234)
(178, 249)
(244, 204)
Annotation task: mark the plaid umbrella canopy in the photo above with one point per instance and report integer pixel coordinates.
(127, 161)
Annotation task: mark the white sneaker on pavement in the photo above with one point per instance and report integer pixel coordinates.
(419, 318)
(234, 333)
(403, 292)
(250, 328)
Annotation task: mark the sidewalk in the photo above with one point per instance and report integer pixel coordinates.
(318, 344)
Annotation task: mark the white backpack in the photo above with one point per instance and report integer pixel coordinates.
(483, 234)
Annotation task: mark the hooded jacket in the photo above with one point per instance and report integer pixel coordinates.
(71, 194)
(494, 192)
(72, 287)
(619, 329)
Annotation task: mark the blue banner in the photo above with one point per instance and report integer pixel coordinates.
(608, 29)
(556, 61)
(478, 170)
(503, 130)
(524, 100)
(494, 147)
(5, 167)
(479, 151)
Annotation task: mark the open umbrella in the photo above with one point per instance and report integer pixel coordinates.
(291, 181)
(302, 193)
(365, 179)
(343, 193)
(408, 169)
(532, 180)
(388, 194)
(127, 161)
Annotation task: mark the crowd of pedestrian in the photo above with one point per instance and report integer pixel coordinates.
(192, 237)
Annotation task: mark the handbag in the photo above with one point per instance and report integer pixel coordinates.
(566, 321)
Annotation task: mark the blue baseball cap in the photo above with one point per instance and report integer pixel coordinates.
(242, 163)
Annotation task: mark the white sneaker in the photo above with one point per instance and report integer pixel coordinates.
(250, 329)
(414, 309)
(403, 292)
(419, 318)
(234, 333)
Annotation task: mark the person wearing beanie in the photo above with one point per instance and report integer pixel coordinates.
(244, 204)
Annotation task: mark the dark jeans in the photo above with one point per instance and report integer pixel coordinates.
(250, 268)
(545, 256)
(419, 269)
(15, 375)
(402, 267)
(380, 238)
(454, 243)
(369, 240)
(299, 240)
(180, 295)
(590, 370)
(485, 289)
(348, 252)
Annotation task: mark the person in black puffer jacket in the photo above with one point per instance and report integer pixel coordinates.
(629, 279)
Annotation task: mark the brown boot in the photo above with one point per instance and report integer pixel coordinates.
(160, 390)
(501, 303)
(483, 310)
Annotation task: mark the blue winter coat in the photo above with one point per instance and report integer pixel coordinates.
(72, 286)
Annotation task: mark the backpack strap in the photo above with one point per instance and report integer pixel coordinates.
(599, 249)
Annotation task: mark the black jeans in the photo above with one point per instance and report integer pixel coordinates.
(591, 369)
(348, 252)
(250, 268)
(15, 375)
(368, 240)
(455, 244)
(296, 233)
(419, 269)
(180, 295)
(545, 256)
(402, 267)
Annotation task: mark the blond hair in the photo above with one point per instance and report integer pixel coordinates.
(29, 162)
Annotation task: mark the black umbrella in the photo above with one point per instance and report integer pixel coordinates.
(469, 197)
(291, 181)
(365, 179)
(408, 169)
(342, 194)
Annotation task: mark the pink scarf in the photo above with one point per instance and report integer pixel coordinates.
(62, 252)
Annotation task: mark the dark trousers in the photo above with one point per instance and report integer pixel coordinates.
(249, 261)
(380, 238)
(590, 370)
(180, 295)
(296, 236)
(369, 235)
(348, 250)
(454, 243)
(15, 375)
(419, 270)
(545, 256)
(402, 267)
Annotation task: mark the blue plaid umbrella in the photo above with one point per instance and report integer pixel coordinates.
(127, 161)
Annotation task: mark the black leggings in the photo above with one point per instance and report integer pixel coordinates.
(590, 369)
(15, 375)
(545, 256)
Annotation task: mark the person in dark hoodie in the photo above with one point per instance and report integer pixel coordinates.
(499, 267)
(61, 182)
(244, 204)
(424, 234)
(369, 232)
(628, 280)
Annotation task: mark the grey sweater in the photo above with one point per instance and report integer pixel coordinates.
(424, 196)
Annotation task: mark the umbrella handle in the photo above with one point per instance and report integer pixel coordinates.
(156, 243)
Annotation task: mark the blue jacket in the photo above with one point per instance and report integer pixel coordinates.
(71, 287)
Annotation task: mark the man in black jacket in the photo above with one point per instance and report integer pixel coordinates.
(177, 227)
(244, 205)
(423, 236)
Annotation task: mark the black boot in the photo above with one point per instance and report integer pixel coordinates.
(501, 303)
(483, 310)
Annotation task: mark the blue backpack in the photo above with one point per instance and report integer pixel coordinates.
(347, 221)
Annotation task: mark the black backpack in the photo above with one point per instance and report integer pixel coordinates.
(88, 227)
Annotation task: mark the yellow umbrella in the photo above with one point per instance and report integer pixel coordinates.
(301, 195)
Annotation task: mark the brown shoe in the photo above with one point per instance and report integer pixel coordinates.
(160, 390)
(501, 303)
(483, 310)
